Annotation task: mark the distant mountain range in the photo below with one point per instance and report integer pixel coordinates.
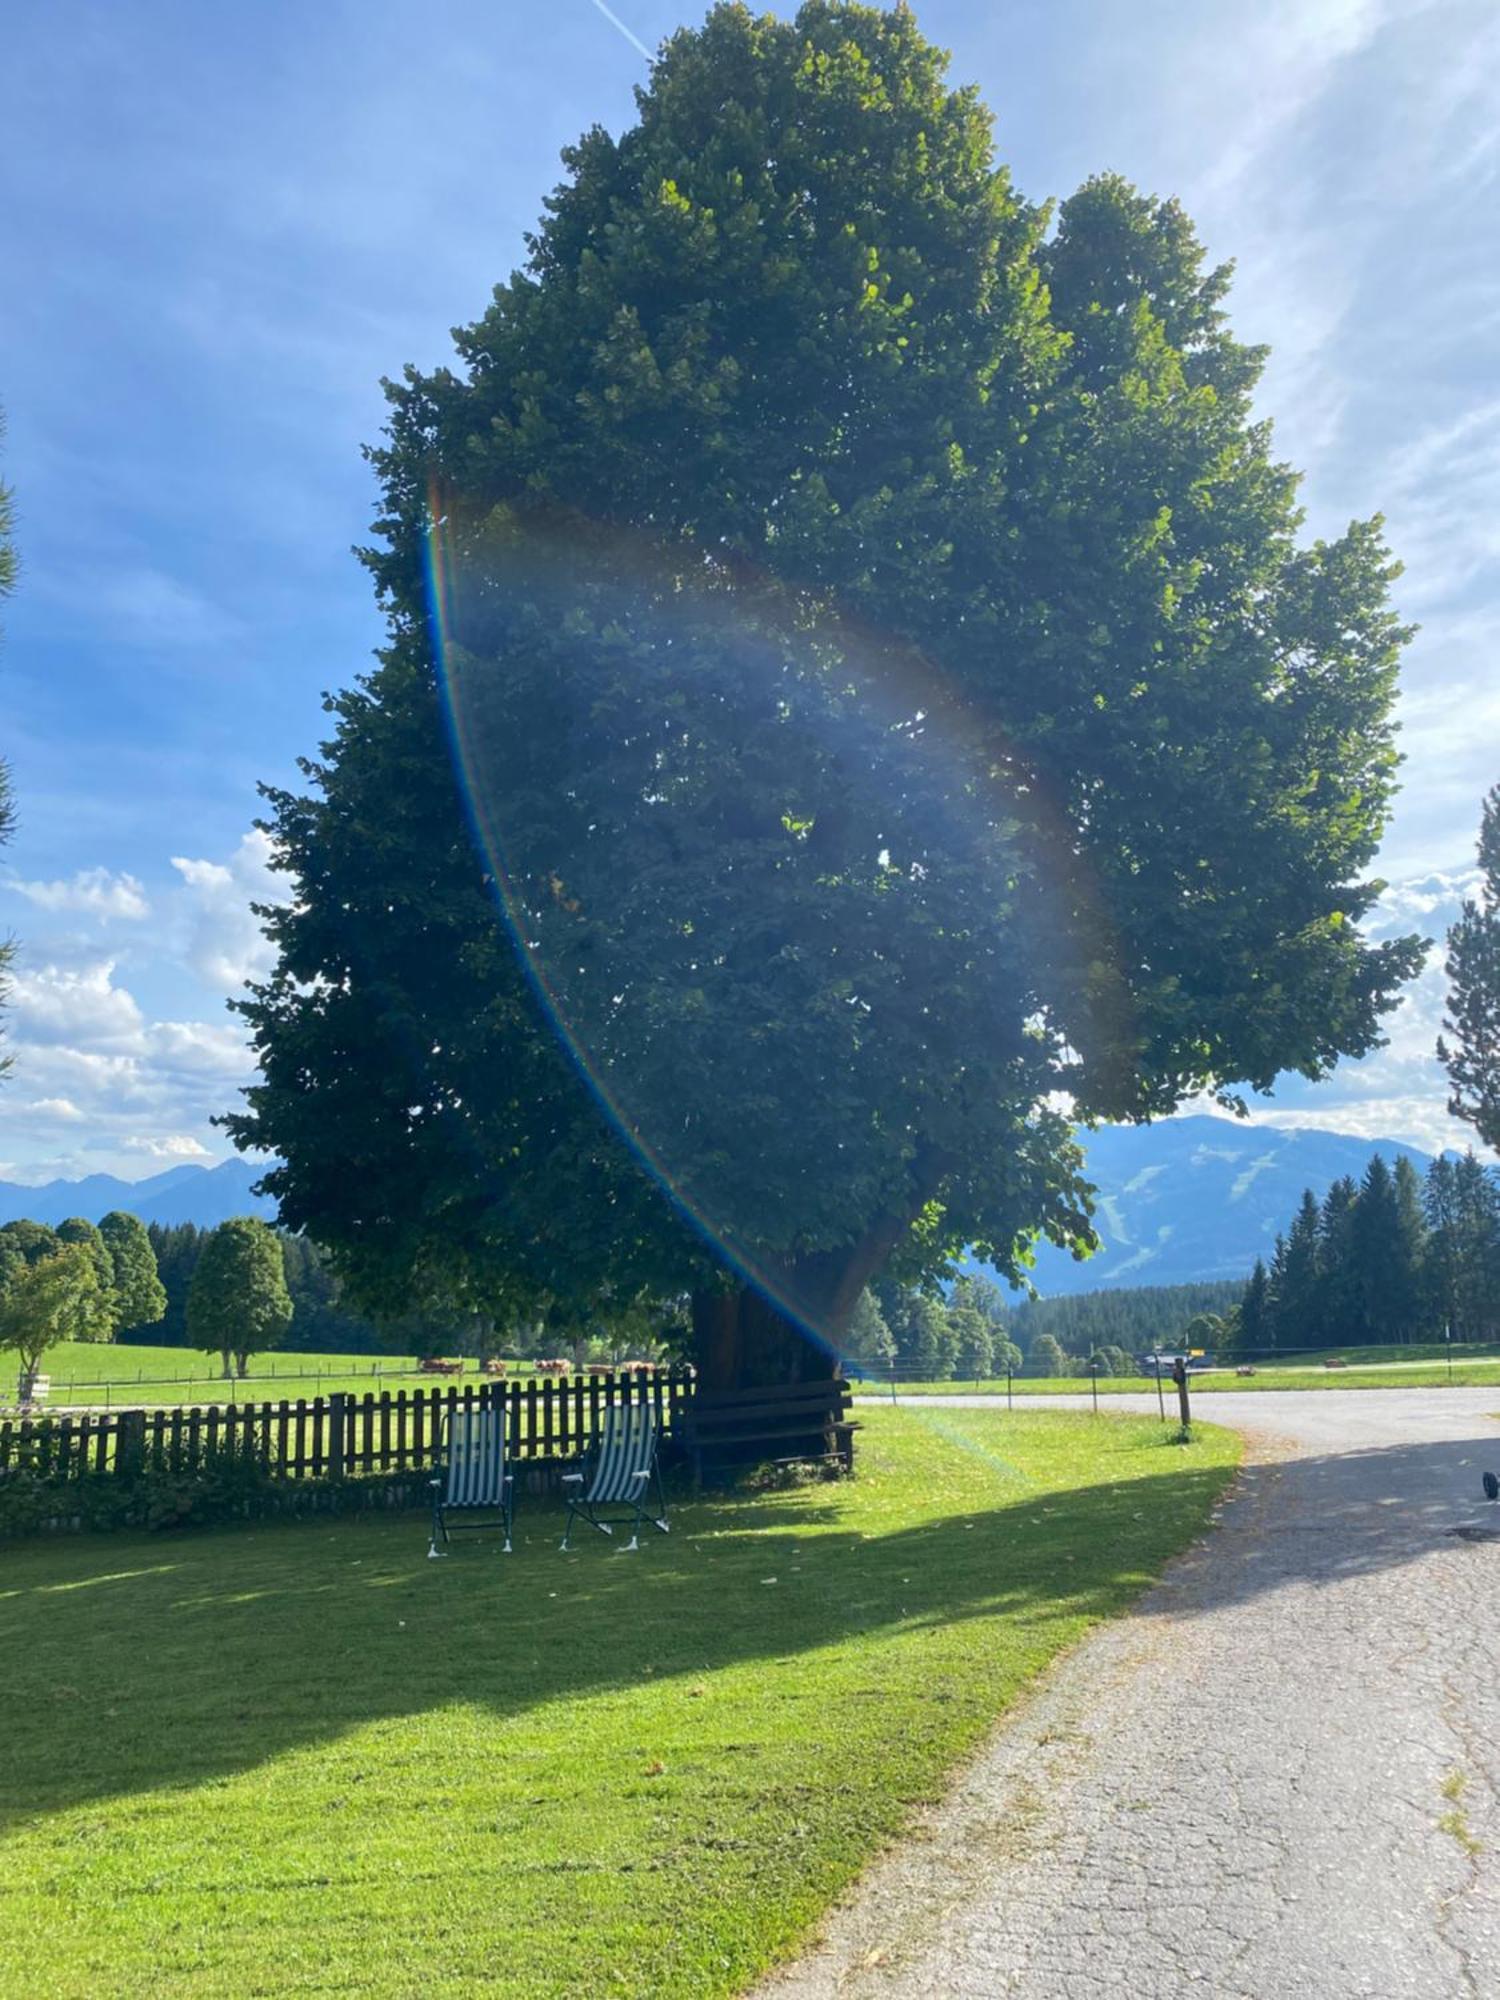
(1188, 1199)
(1196, 1198)
(205, 1195)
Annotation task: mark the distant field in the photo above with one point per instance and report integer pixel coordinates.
(1481, 1373)
(105, 1375)
(1371, 1357)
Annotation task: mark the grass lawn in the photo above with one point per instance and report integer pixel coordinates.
(99, 1375)
(300, 1757)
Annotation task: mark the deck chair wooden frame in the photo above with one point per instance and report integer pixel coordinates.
(475, 1475)
(619, 1472)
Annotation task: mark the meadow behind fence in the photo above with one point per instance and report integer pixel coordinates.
(338, 1436)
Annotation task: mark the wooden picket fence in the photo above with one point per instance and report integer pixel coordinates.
(337, 1436)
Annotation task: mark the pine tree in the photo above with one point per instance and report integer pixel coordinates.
(1341, 1305)
(1299, 1285)
(1409, 1301)
(1472, 1058)
(1254, 1333)
(1477, 1206)
(1276, 1282)
(1440, 1206)
(177, 1248)
(1377, 1259)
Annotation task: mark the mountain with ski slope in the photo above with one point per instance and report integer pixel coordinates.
(1184, 1200)
(1197, 1198)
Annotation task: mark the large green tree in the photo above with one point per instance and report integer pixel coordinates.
(852, 684)
(238, 1303)
(1472, 1057)
(140, 1296)
(52, 1298)
(104, 1315)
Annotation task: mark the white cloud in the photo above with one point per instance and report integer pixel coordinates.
(1401, 1091)
(94, 891)
(1426, 903)
(201, 1047)
(91, 1057)
(61, 1108)
(221, 938)
(63, 1005)
(177, 1146)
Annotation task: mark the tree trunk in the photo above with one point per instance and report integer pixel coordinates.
(741, 1340)
(794, 1329)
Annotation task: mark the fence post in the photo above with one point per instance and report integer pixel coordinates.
(1180, 1377)
(338, 1435)
(130, 1443)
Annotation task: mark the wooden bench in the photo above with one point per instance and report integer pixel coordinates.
(783, 1423)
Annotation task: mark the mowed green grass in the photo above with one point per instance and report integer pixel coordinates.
(93, 1375)
(1476, 1374)
(301, 1758)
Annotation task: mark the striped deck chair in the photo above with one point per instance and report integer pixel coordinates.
(619, 1472)
(474, 1475)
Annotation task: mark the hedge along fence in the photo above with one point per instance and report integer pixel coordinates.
(328, 1439)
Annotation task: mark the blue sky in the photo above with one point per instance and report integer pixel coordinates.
(227, 225)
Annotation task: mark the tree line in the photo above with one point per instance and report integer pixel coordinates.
(974, 1332)
(101, 1282)
(1395, 1258)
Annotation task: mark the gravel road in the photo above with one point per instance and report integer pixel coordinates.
(1279, 1779)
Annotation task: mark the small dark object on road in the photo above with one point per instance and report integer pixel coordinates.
(1491, 1487)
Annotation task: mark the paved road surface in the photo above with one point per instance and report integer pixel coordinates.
(1277, 1780)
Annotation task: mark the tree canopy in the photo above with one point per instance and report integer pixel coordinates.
(238, 1303)
(854, 693)
(140, 1297)
(103, 1315)
(1472, 1058)
(53, 1297)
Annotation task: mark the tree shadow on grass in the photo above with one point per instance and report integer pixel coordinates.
(134, 1663)
(141, 1663)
